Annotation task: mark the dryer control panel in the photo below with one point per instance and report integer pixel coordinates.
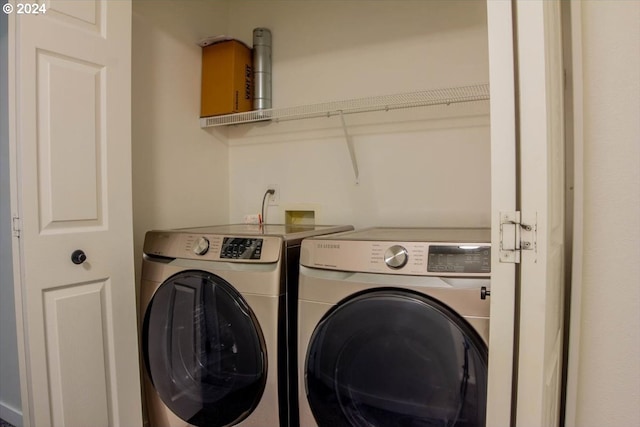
(455, 252)
(412, 258)
(459, 259)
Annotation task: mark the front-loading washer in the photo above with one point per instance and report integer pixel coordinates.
(393, 328)
(217, 306)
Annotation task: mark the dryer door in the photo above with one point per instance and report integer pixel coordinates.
(204, 350)
(396, 358)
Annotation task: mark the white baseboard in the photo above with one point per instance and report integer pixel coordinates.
(10, 414)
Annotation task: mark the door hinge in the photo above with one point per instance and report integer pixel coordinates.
(15, 226)
(515, 236)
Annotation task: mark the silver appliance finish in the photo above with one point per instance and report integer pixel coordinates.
(401, 251)
(339, 268)
(266, 279)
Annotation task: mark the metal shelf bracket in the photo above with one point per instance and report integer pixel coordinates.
(352, 151)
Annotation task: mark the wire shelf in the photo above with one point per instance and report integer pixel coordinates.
(360, 105)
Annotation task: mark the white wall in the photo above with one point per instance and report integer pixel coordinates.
(180, 172)
(608, 389)
(428, 167)
(10, 404)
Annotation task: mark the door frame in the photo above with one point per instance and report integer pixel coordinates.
(16, 208)
(502, 378)
(575, 222)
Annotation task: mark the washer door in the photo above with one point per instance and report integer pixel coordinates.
(204, 350)
(396, 358)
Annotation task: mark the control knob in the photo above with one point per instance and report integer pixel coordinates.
(201, 247)
(396, 257)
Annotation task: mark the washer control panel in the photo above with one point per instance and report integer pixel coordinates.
(214, 247)
(241, 248)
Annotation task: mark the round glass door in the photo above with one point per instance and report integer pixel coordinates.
(204, 350)
(396, 358)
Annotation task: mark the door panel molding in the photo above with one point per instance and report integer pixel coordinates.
(78, 335)
(70, 94)
(86, 15)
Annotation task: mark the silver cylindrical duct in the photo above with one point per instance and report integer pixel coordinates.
(261, 68)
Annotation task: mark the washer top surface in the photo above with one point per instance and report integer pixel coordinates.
(417, 234)
(462, 252)
(286, 231)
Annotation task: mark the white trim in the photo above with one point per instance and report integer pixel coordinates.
(503, 199)
(10, 415)
(573, 362)
(15, 174)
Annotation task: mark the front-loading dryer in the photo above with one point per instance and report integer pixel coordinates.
(393, 328)
(217, 306)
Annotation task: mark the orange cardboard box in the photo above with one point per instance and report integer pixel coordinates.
(227, 78)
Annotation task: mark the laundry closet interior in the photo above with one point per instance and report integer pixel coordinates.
(425, 166)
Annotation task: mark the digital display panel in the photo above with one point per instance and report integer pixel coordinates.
(459, 259)
(241, 248)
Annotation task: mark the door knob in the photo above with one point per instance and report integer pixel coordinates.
(78, 256)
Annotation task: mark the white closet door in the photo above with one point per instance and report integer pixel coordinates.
(541, 117)
(527, 144)
(71, 136)
(503, 199)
